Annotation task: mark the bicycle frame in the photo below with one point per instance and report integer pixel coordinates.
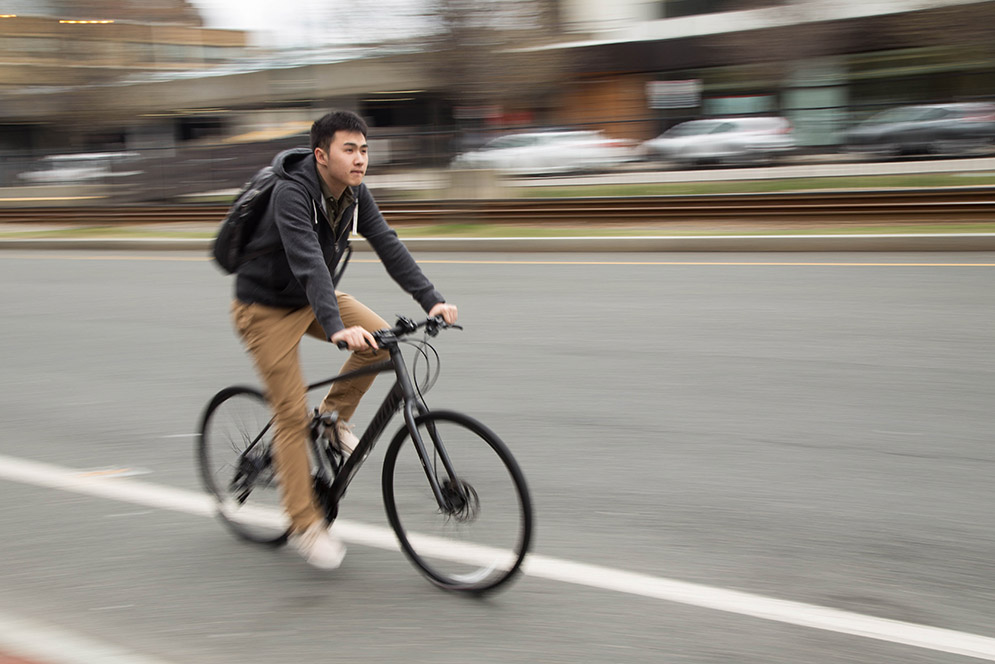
(236, 458)
(401, 396)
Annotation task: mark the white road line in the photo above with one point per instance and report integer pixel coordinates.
(545, 567)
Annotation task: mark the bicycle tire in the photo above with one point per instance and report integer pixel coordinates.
(479, 541)
(233, 451)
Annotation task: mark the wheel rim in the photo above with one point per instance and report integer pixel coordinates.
(236, 440)
(478, 539)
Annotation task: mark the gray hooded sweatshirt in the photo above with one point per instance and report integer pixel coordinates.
(296, 250)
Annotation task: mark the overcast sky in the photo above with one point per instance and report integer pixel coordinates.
(312, 22)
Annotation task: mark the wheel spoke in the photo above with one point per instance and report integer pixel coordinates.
(235, 460)
(478, 538)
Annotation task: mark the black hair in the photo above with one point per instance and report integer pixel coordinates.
(324, 128)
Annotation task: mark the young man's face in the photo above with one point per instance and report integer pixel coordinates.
(344, 163)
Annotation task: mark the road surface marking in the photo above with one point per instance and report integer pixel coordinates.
(703, 263)
(114, 472)
(545, 567)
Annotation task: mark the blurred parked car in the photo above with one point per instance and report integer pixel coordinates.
(548, 152)
(722, 140)
(925, 128)
(88, 167)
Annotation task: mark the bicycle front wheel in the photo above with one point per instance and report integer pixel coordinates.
(477, 536)
(234, 451)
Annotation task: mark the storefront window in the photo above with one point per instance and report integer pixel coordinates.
(740, 105)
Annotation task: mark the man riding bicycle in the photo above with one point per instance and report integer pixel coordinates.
(286, 289)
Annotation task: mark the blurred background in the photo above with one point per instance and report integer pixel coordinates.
(120, 100)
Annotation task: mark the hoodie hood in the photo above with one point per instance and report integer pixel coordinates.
(297, 254)
(297, 165)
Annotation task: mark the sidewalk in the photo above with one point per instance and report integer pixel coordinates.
(27, 641)
(10, 659)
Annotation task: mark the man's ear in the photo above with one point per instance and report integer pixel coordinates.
(320, 156)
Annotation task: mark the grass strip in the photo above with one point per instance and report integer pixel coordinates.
(835, 183)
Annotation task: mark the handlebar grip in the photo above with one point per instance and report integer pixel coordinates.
(342, 345)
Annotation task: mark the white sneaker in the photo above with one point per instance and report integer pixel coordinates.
(319, 547)
(347, 439)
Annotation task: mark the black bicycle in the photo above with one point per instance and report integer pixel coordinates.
(454, 495)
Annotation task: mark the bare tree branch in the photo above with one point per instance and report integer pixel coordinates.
(478, 53)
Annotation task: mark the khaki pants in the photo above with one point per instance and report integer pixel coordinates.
(272, 336)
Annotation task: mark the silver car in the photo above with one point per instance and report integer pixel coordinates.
(542, 152)
(723, 141)
(959, 128)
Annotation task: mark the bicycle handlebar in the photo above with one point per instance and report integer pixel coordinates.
(406, 326)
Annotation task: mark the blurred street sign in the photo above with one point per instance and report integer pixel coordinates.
(674, 94)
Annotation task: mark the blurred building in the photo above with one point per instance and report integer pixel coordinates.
(63, 59)
(115, 74)
(822, 64)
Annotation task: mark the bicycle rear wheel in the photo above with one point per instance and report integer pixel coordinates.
(236, 435)
(477, 540)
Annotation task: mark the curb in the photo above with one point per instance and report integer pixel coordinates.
(126, 244)
(696, 243)
(713, 243)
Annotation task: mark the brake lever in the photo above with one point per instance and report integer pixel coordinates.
(436, 323)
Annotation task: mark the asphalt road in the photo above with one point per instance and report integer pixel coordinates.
(742, 458)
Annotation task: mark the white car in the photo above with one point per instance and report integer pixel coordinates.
(88, 167)
(722, 140)
(544, 152)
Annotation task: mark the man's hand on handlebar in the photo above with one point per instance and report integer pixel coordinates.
(446, 311)
(354, 338)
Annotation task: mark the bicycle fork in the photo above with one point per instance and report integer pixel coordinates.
(411, 402)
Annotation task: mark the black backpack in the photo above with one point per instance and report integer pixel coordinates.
(242, 218)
